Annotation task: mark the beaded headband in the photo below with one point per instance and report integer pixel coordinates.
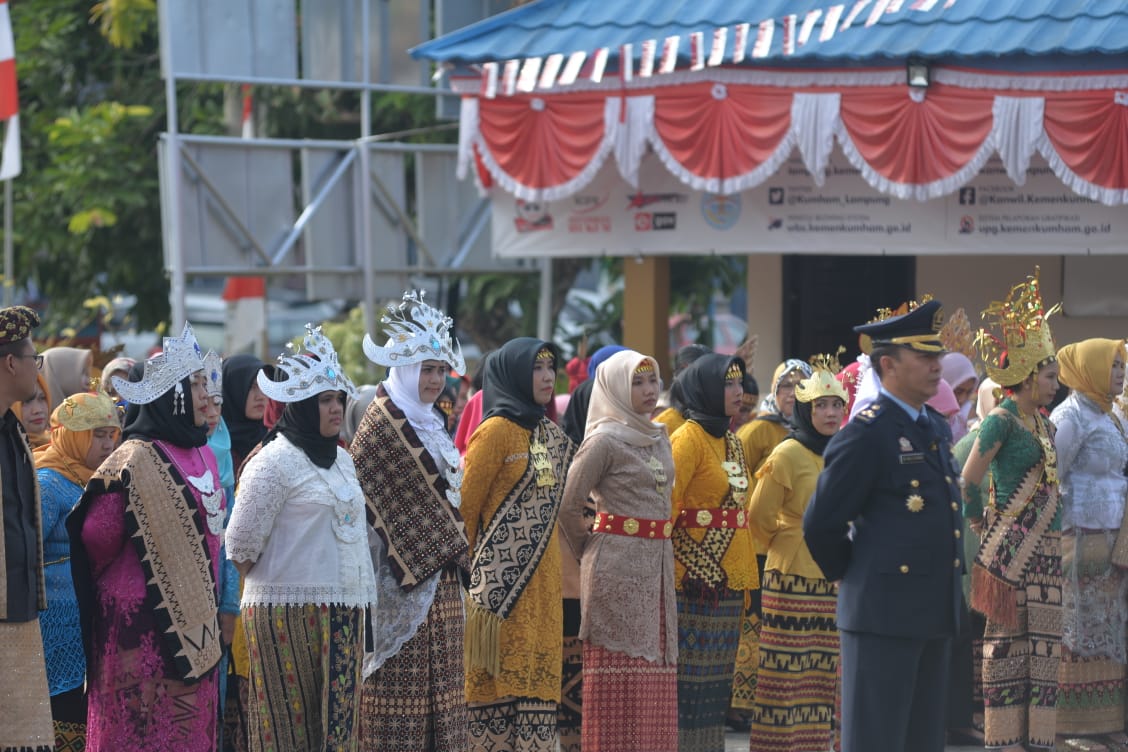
(734, 372)
(213, 369)
(307, 373)
(85, 412)
(822, 381)
(545, 354)
(1023, 339)
(180, 357)
(645, 367)
(415, 335)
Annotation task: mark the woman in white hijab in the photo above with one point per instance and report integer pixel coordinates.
(409, 470)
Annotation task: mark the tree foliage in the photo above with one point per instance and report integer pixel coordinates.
(87, 205)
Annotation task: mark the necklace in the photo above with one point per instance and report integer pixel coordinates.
(1042, 435)
(734, 469)
(210, 497)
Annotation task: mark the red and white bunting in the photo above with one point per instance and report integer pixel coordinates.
(856, 11)
(809, 22)
(530, 69)
(924, 5)
(10, 164)
(895, 6)
(697, 50)
(572, 68)
(830, 23)
(509, 77)
(764, 34)
(878, 10)
(599, 64)
(626, 62)
(740, 41)
(489, 80)
(552, 65)
(646, 61)
(717, 54)
(669, 54)
(789, 34)
(949, 3)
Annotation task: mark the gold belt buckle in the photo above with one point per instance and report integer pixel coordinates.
(740, 519)
(704, 517)
(630, 526)
(668, 529)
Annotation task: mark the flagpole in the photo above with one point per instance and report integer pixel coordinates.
(9, 252)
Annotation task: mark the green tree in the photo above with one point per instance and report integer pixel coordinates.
(87, 206)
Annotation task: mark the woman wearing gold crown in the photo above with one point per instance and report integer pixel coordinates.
(409, 470)
(1016, 578)
(714, 560)
(298, 536)
(84, 431)
(628, 609)
(516, 466)
(145, 539)
(795, 686)
(1092, 456)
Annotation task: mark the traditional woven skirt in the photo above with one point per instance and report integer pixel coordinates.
(68, 710)
(305, 664)
(25, 718)
(708, 635)
(569, 718)
(1091, 688)
(1020, 666)
(416, 702)
(631, 703)
(794, 709)
(748, 652)
(514, 724)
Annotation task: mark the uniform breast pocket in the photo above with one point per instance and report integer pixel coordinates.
(905, 561)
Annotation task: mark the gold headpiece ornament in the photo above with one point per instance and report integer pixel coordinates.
(545, 354)
(821, 382)
(957, 335)
(645, 367)
(734, 372)
(865, 343)
(1023, 340)
(86, 411)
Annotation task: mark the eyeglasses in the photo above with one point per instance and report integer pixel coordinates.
(38, 358)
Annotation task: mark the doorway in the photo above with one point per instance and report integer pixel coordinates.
(824, 297)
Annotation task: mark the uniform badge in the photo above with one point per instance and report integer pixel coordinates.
(906, 445)
(915, 503)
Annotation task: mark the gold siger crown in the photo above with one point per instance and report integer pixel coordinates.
(1022, 337)
(821, 382)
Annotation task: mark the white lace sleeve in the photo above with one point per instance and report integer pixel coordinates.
(261, 492)
(399, 614)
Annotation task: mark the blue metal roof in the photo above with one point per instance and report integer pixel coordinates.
(969, 29)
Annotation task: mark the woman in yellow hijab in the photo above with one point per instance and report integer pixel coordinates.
(1092, 455)
(84, 431)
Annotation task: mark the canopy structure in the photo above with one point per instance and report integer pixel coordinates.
(724, 92)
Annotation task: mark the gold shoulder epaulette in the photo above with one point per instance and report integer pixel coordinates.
(869, 414)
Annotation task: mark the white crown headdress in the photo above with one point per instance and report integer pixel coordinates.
(424, 336)
(307, 376)
(179, 359)
(213, 369)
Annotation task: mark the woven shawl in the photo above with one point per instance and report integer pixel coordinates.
(405, 495)
(1014, 532)
(163, 522)
(511, 546)
(702, 560)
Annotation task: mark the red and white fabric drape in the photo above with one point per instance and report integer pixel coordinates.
(725, 136)
(9, 98)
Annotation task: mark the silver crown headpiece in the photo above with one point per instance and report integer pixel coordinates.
(213, 369)
(423, 335)
(180, 357)
(308, 373)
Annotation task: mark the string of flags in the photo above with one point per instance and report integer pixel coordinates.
(660, 57)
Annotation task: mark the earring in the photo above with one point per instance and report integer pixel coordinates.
(178, 399)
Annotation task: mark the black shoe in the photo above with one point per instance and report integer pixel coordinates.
(737, 722)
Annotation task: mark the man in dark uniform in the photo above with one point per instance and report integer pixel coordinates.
(885, 522)
(25, 710)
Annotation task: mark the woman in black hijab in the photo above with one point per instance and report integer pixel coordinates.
(793, 705)
(244, 404)
(714, 562)
(515, 471)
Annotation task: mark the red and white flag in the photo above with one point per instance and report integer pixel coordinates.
(9, 97)
(809, 22)
(789, 22)
(764, 34)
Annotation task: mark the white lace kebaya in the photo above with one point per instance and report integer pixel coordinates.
(305, 529)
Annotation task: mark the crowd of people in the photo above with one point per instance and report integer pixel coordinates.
(205, 553)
